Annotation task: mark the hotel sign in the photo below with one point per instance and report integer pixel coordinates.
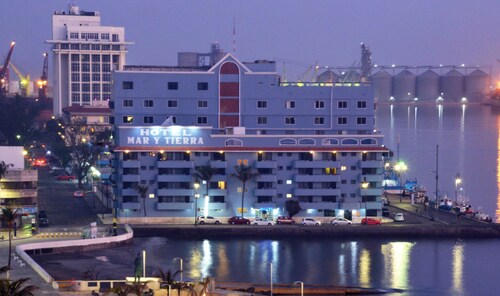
(164, 136)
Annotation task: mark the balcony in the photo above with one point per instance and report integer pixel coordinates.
(213, 192)
(266, 178)
(128, 192)
(370, 191)
(15, 175)
(316, 192)
(371, 178)
(131, 205)
(319, 205)
(265, 205)
(374, 205)
(366, 164)
(265, 192)
(131, 164)
(131, 178)
(167, 164)
(17, 193)
(265, 164)
(175, 192)
(218, 164)
(315, 164)
(216, 205)
(317, 178)
(175, 178)
(174, 206)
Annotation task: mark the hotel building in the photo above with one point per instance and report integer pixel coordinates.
(310, 142)
(83, 55)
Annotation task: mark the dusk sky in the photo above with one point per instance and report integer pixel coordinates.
(416, 32)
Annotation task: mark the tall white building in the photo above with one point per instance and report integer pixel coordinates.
(83, 55)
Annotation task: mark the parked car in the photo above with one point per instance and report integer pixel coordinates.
(261, 221)
(284, 220)
(43, 222)
(370, 221)
(310, 221)
(399, 217)
(340, 221)
(208, 220)
(65, 177)
(385, 212)
(78, 194)
(238, 220)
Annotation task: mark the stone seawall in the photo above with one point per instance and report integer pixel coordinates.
(434, 231)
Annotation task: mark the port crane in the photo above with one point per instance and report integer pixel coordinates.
(42, 83)
(24, 80)
(4, 81)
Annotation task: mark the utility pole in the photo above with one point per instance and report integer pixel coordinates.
(437, 177)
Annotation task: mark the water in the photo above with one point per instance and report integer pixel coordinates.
(468, 139)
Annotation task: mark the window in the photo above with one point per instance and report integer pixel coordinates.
(115, 38)
(85, 58)
(75, 46)
(289, 120)
(128, 119)
(73, 35)
(202, 85)
(86, 77)
(290, 104)
(96, 87)
(75, 67)
(106, 68)
(361, 120)
(105, 36)
(75, 77)
(96, 58)
(106, 87)
(319, 104)
(85, 67)
(173, 85)
(261, 120)
(75, 58)
(202, 104)
(342, 104)
(202, 120)
(342, 120)
(106, 58)
(148, 103)
(75, 87)
(261, 104)
(106, 77)
(96, 77)
(96, 67)
(128, 85)
(319, 120)
(361, 104)
(172, 104)
(148, 119)
(85, 46)
(96, 47)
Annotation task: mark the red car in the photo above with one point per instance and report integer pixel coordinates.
(371, 221)
(238, 220)
(284, 220)
(66, 177)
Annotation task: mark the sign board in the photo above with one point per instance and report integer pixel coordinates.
(244, 210)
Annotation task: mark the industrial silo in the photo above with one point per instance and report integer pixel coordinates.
(477, 85)
(403, 86)
(382, 85)
(328, 76)
(428, 86)
(452, 86)
(350, 75)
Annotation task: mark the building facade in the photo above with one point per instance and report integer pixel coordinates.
(313, 143)
(83, 55)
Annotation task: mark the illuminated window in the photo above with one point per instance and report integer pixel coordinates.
(343, 168)
(221, 185)
(242, 161)
(331, 171)
(128, 119)
(288, 195)
(288, 182)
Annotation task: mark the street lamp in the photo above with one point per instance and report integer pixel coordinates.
(364, 186)
(196, 185)
(301, 287)
(458, 181)
(180, 261)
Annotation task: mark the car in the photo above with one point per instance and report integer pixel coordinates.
(261, 221)
(66, 177)
(399, 217)
(78, 193)
(238, 220)
(370, 221)
(310, 221)
(385, 212)
(207, 220)
(340, 221)
(43, 222)
(284, 220)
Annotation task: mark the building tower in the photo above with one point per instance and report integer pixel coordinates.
(83, 55)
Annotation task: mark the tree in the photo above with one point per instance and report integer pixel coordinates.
(137, 289)
(142, 190)
(15, 288)
(9, 216)
(205, 173)
(292, 207)
(17, 118)
(244, 173)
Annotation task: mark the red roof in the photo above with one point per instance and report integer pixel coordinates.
(253, 149)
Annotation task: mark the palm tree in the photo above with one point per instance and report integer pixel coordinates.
(244, 173)
(205, 173)
(9, 216)
(3, 169)
(142, 190)
(15, 288)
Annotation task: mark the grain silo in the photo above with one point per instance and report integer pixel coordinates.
(328, 76)
(403, 86)
(452, 86)
(477, 85)
(382, 85)
(428, 86)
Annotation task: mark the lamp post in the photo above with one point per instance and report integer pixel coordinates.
(196, 185)
(400, 168)
(301, 287)
(180, 261)
(364, 186)
(458, 181)
(143, 263)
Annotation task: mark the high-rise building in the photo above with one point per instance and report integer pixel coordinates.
(84, 54)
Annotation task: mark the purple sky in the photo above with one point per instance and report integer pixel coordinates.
(409, 32)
